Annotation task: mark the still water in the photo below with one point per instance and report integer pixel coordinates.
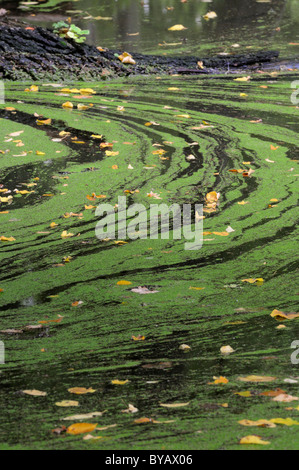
(67, 318)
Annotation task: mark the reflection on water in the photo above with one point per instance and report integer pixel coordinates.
(143, 25)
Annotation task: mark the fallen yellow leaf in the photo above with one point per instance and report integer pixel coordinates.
(253, 440)
(81, 390)
(177, 27)
(81, 428)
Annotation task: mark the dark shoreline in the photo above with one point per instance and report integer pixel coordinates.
(35, 53)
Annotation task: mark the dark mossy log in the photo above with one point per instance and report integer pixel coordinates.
(36, 53)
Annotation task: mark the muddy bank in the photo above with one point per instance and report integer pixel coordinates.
(35, 53)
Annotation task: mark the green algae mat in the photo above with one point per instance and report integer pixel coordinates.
(123, 344)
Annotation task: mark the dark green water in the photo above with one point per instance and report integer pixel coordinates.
(92, 344)
(142, 26)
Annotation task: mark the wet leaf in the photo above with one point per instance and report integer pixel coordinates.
(81, 428)
(81, 390)
(247, 440)
(285, 421)
(219, 381)
(285, 398)
(177, 27)
(119, 382)
(143, 290)
(210, 15)
(35, 393)
(7, 239)
(143, 421)
(242, 79)
(257, 378)
(245, 394)
(45, 122)
(283, 316)
(131, 409)
(261, 422)
(184, 347)
(226, 350)
(67, 403)
(138, 338)
(65, 234)
(84, 416)
(174, 405)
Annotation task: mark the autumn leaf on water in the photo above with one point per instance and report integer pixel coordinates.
(87, 91)
(68, 105)
(83, 107)
(221, 234)
(219, 381)
(253, 440)
(84, 416)
(16, 134)
(45, 322)
(260, 422)
(35, 393)
(7, 239)
(143, 421)
(138, 338)
(258, 280)
(110, 153)
(272, 393)
(177, 27)
(33, 88)
(81, 428)
(77, 303)
(174, 405)
(67, 403)
(81, 390)
(65, 234)
(283, 316)
(212, 196)
(124, 283)
(143, 290)
(285, 398)
(130, 409)
(45, 122)
(242, 79)
(210, 15)
(285, 421)
(184, 347)
(119, 382)
(245, 394)
(257, 378)
(226, 350)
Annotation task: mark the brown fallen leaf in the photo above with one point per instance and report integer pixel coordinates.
(143, 420)
(60, 430)
(272, 393)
